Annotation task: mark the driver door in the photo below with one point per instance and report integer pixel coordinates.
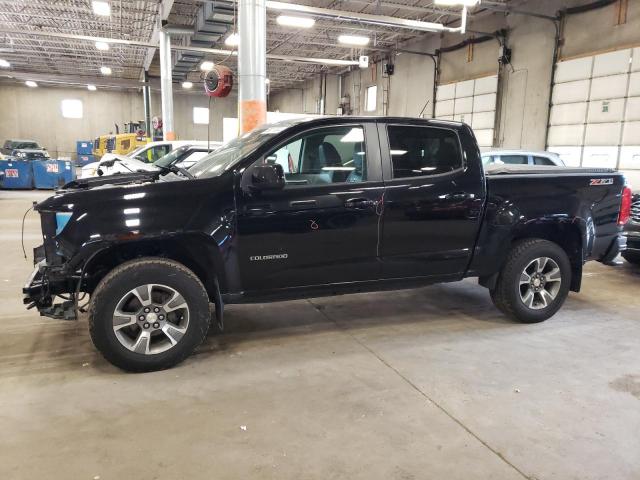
(322, 227)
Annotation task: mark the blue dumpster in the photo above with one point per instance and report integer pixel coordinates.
(85, 159)
(84, 147)
(50, 174)
(18, 174)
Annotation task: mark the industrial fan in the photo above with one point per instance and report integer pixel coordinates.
(219, 81)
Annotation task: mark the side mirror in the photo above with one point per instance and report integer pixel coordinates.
(267, 177)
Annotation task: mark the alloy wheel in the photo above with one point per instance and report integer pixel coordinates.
(540, 283)
(151, 319)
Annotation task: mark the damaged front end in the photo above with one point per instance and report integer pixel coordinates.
(50, 278)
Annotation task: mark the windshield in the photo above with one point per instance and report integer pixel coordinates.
(228, 155)
(171, 157)
(25, 145)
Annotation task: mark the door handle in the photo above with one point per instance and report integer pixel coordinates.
(303, 203)
(258, 210)
(459, 196)
(359, 203)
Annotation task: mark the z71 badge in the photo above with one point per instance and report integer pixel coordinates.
(601, 181)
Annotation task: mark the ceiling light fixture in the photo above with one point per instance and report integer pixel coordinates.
(232, 40)
(4, 63)
(102, 46)
(206, 66)
(91, 88)
(31, 83)
(291, 21)
(453, 3)
(105, 70)
(187, 84)
(353, 40)
(101, 8)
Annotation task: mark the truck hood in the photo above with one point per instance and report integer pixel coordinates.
(83, 192)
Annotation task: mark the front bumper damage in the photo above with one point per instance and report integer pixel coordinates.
(42, 287)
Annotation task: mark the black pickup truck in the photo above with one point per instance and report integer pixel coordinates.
(316, 207)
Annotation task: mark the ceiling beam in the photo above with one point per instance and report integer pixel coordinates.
(164, 9)
(76, 80)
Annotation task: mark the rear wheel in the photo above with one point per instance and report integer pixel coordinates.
(534, 281)
(148, 314)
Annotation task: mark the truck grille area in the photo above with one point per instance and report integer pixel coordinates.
(635, 208)
(48, 223)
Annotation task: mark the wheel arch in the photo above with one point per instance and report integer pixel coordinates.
(200, 255)
(571, 234)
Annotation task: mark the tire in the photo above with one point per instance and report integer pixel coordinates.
(540, 295)
(162, 314)
(631, 257)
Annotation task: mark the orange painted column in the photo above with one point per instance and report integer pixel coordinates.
(253, 114)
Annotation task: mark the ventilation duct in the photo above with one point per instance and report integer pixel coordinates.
(213, 22)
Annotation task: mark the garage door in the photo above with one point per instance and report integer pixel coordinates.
(472, 102)
(595, 113)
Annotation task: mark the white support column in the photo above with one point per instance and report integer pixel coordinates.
(252, 64)
(166, 86)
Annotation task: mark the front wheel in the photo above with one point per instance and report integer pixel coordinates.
(534, 281)
(148, 314)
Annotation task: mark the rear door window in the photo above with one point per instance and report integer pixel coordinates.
(543, 161)
(514, 159)
(418, 151)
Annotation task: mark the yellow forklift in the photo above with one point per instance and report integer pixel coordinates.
(121, 143)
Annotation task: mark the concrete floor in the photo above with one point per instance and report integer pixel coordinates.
(429, 383)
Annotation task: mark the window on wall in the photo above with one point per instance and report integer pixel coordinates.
(71, 108)
(371, 98)
(201, 115)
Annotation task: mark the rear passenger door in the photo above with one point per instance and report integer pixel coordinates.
(323, 226)
(432, 202)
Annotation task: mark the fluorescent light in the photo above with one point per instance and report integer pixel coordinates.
(232, 40)
(187, 84)
(91, 88)
(4, 63)
(101, 8)
(105, 70)
(300, 22)
(102, 45)
(31, 83)
(462, 3)
(206, 66)
(353, 40)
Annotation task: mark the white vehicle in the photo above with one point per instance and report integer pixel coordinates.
(141, 158)
(521, 157)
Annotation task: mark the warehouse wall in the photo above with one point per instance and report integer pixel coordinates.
(524, 85)
(35, 113)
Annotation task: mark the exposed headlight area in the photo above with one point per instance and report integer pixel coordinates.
(62, 218)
